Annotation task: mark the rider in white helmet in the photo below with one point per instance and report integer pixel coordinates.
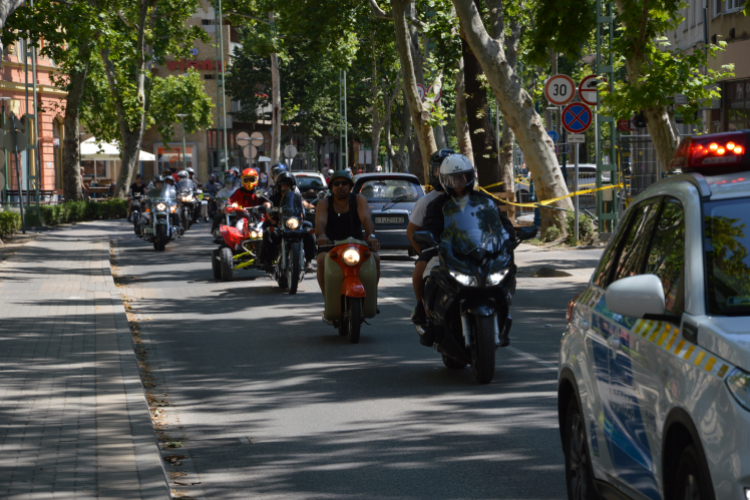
(378, 169)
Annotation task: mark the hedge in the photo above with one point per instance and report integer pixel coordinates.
(71, 211)
(10, 222)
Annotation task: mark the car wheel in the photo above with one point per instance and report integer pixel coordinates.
(689, 481)
(578, 472)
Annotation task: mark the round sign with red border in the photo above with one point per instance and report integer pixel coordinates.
(577, 117)
(588, 90)
(421, 92)
(560, 90)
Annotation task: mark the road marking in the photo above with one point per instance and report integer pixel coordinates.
(518, 352)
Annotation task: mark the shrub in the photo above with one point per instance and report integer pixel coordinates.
(586, 230)
(74, 211)
(551, 234)
(10, 222)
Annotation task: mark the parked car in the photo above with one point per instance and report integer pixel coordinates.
(391, 198)
(310, 184)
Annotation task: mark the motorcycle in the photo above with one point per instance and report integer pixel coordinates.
(161, 205)
(468, 288)
(290, 261)
(135, 213)
(229, 217)
(240, 248)
(189, 203)
(351, 287)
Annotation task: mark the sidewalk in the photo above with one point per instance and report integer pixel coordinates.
(74, 422)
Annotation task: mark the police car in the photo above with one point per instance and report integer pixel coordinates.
(654, 377)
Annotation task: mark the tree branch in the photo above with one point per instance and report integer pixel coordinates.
(378, 12)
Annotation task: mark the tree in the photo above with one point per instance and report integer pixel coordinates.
(517, 107)
(7, 7)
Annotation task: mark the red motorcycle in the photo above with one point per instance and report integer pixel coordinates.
(241, 246)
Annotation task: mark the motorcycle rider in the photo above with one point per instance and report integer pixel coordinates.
(342, 215)
(328, 176)
(212, 186)
(457, 178)
(246, 197)
(416, 221)
(138, 187)
(186, 179)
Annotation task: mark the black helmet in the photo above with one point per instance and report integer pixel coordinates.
(169, 178)
(341, 174)
(433, 176)
(159, 178)
(286, 178)
(277, 169)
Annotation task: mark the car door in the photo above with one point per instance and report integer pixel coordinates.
(624, 422)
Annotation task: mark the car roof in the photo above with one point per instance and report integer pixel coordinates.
(393, 175)
(714, 187)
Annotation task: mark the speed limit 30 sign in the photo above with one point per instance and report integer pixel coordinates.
(559, 90)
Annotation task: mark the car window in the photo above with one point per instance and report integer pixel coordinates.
(389, 189)
(304, 183)
(604, 269)
(666, 258)
(636, 241)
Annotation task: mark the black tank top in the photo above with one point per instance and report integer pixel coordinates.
(345, 225)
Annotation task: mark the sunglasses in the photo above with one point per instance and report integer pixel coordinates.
(340, 183)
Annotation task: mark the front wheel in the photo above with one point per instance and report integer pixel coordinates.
(578, 472)
(354, 320)
(452, 363)
(216, 263)
(227, 264)
(689, 481)
(293, 267)
(186, 218)
(483, 350)
(160, 239)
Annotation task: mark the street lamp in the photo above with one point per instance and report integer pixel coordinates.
(182, 123)
(4, 99)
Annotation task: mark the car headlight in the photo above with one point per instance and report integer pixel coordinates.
(738, 382)
(293, 223)
(464, 279)
(161, 207)
(350, 256)
(497, 278)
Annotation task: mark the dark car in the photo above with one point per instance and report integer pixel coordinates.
(310, 184)
(391, 198)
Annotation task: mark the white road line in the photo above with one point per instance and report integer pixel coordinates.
(518, 352)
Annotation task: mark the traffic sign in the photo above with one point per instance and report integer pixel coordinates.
(290, 151)
(576, 117)
(256, 138)
(625, 125)
(421, 92)
(242, 139)
(438, 96)
(553, 135)
(559, 90)
(588, 91)
(576, 138)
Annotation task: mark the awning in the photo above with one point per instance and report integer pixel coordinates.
(264, 158)
(107, 151)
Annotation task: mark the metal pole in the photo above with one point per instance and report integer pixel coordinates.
(182, 116)
(497, 128)
(6, 167)
(37, 151)
(26, 90)
(18, 174)
(221, 113)
(223, 82)
(575, 198)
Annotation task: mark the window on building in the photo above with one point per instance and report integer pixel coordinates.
(207, 22)
(733, 5)
(737, 104)
(716, 10)
(57, 138)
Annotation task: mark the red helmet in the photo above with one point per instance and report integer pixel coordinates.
(249, 179)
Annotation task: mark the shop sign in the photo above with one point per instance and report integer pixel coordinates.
(184, 65)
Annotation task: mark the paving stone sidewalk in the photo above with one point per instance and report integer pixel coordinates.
(74, 421)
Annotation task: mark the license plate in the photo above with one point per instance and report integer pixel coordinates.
(389, 220)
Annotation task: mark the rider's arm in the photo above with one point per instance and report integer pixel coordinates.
(321, 220)
(363, 209)
(410, 234)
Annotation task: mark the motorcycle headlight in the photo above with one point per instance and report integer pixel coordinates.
(173, 208)
(464, 279)
(161, 207)
(738, 382)
(254, 234)
(187, 198)
(497, 278)
(293, 223)
(350, 256)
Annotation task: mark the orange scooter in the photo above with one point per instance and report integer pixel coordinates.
(351, 287)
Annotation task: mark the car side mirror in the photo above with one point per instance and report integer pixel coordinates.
(637, 296)
(526, 233)
(425, 239)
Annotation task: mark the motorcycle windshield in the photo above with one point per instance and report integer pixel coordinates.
(167, 192)
(185, 185)
(290, 205)
(472, 223)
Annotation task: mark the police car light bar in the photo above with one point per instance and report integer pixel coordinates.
(713, 154)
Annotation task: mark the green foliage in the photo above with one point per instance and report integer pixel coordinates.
(10, 222)
(553, 20)
(76, 211)
(587, 233)
(551, 234)
(180, 94)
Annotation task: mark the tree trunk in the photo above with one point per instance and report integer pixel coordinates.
(421, 126)
(6, 9)
(71, 162)
(462, 124)
(507, 137)
(482, 134)
(518, 110)
(275, 104)
(399, 158)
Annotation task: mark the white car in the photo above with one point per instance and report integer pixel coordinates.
(654, 374)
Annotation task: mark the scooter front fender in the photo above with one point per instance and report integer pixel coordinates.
(353, 287)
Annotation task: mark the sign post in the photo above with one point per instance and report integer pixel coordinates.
(576, 119)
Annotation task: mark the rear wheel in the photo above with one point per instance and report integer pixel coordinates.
(483, 350)
(293, 267)
(160, 239)
(689, 481)
(227, 264)
(452, 363)
(216, 263)
(354, 319)
(578, 472)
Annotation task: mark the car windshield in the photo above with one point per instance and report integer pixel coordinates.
(472, 222)
(309, 182)
(390, 190)
(725, 243)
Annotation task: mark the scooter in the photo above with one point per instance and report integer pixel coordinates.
(290, 261)
(468, 288)
(241, 247)
(351, 287)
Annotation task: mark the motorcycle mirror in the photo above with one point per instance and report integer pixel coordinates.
(321, 195)
(424, 239)
(527, 233)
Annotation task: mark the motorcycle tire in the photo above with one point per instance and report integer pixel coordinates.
(452, 363)
(160, 240)
(354, 319)
(227, 264)
(186, 219)
(216, 264)
(293, 268)
(483, 350)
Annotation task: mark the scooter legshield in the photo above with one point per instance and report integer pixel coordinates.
(353, 287)
(232, 236)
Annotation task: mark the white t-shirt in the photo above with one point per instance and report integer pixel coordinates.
(420, 207)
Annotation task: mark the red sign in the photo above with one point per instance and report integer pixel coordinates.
(183, 65)
(560, 90)
(588, 91)
(624, 126)
(576, 117)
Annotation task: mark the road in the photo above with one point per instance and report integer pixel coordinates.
(270, 403)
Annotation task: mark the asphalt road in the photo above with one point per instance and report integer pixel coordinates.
(270, 403)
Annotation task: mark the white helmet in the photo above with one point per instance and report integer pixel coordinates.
(456, 171)
(378, 168)
(182, 174)
(348, 169)
(330, 171)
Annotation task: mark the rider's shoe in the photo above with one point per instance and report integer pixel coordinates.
(309, 267)
(419, 315)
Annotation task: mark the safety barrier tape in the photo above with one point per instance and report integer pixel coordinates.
(544, 203)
